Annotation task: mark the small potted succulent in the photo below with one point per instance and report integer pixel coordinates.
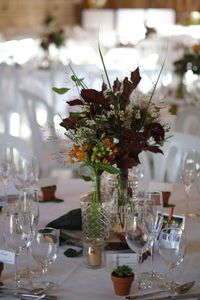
(122, 278)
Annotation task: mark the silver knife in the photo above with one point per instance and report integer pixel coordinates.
(147, 295)
(27, 296)
(170, 297)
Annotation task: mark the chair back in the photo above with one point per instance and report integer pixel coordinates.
(41, 123)
(187, 121)
(166, 166)
(16, 143)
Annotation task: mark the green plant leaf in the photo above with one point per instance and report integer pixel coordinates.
(72, 252)
(86, 178)
(81, 170)
(108, 168)
(104, 67)
(60, 91)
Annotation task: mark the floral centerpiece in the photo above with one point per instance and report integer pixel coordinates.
(52, 35)
(189, 61)
(110, 128)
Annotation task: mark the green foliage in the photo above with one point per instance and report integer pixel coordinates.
(122, 271)
(189, 61)
(105, 167)
(72, 252)
(60, 91)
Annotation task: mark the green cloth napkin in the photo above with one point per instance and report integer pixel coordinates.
(72, 221)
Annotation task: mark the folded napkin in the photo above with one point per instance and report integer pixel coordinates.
(72, 221)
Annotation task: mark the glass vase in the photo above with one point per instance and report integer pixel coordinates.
(95, 209)
(123, 192)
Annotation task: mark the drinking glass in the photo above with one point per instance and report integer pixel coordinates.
(44, 249)
(153, 207)
(16, 237)
(29, 209)
(25, 173)
(197, 181)
(188, 173)
(6, 157)
(138, 237)
(172, 248)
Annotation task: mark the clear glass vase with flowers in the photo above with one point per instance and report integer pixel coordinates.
(109, 131)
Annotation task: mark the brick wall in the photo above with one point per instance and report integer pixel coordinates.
(27, 15)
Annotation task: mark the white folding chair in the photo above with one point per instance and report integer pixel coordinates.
(187, 121)
(166, 166)
(44, 139)
(17, 143)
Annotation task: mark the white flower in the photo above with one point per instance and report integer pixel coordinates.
(107, 93)
(115, 141)
(137, 115)
(90, 122)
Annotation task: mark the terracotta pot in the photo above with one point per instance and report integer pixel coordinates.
(122, 285)
(166, 196)
(48, 192)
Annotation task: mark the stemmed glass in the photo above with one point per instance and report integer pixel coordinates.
(138, 236)
(6, 157)
(153, 208)
(29, 209)
(188, 173)
(25, 173)
(16, 237)
(44, 249)
(172, 248)
(25, 176)
(197, 181)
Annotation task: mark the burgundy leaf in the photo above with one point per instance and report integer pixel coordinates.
(127, 90)
(75, 102)
(132, 135)
(104, 86)
(68, 123)
(157, 131)
(154, 149)
(136, 148)
(127, 162)
(135, 77)
(93, 96)
(116, 86)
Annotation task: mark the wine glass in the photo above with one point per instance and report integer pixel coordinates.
(29, 209)
(172, 248)
(153, 208)
(138, 237)
(16, 237)
(188, 173)
(44, 249)
(6, 157)
(25, 173)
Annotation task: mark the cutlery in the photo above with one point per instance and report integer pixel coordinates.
(173, 297)
(26, 296)
(178, 289)
(42, 297)
(34, 291)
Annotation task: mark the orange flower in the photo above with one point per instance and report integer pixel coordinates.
(85, 147)
(107, 142)
(77, 154)
(196, 48)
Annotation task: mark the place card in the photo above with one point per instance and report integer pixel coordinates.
(7, 257)
(114, 259)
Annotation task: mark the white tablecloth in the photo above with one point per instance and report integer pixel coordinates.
(78, 282)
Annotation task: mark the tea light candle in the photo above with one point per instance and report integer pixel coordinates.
(94, 258)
